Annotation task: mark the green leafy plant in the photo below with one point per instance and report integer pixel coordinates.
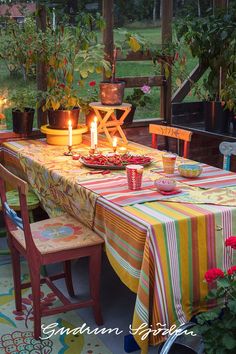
(19, 47)
(67, 51)
(140, 96)
(228, 93)
(212, 40)
(218, 326)
(90, 94)
(134, 42)
(129, 41)
(23, 98)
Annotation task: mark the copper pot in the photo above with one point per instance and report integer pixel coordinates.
(112, 93)
(59, 119)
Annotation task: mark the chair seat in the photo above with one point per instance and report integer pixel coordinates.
(59, 234)
(14, 202)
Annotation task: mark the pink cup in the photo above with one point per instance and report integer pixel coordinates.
(134, 176)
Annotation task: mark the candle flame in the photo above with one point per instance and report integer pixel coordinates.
(69, 123)
(95, 119)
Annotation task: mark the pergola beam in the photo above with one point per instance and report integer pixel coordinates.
(41, 21)
(220, 3)
(166, 35)
(108, 38)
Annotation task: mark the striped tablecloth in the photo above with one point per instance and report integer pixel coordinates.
(160, 250)
(116, 190)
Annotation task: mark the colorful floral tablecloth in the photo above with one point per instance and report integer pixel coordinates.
(159, 249)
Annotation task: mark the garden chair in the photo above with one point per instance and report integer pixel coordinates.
(227, 149)
(170, 132)
(60, 239)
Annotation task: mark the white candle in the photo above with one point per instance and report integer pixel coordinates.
(114, 142)
(95, 131)
(69, 133)
(92, 131)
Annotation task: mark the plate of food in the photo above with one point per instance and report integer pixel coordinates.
(114, 161)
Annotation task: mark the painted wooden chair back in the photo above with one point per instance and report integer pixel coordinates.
(170, 132)
(12, 220)
(227, 149)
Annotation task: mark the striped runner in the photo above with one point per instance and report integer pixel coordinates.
(115, 189)
(211, 177)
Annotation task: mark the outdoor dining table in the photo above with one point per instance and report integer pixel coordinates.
(160, 246)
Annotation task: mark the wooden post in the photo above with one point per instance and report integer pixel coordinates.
(220, 3)
(166, 26)
(108, 40)
(41, 20)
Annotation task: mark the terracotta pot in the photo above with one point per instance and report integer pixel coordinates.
(59, 119)
(23, 121)
(112, 93)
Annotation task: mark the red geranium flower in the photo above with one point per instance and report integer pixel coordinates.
(232, 270)
(92, 83)
(213, 274)
(231, 241)
(62, 85)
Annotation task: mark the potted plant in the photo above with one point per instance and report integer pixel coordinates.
(72, 54)
(62, 105)
(140, 97)
(23, 102)
(218, 325)
(112, 90)
(211, 39)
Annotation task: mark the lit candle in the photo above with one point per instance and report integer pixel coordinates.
(114, 144)
(95, 131)
(69, 133)
(92, 131)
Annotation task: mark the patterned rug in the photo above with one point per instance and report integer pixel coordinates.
(16, 334)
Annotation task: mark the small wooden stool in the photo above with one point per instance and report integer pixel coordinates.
(107, 121)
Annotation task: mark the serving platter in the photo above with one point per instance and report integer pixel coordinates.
(114, 162)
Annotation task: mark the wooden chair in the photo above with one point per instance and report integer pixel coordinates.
(14, 203)
(59, 239)
(176, 133)
(227, 149)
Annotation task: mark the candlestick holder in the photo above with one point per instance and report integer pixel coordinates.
(94, 151)
(69, 152)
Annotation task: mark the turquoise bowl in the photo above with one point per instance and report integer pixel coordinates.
(190, 170)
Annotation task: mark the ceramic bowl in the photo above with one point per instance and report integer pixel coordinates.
(165, 184)
(190, 170)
